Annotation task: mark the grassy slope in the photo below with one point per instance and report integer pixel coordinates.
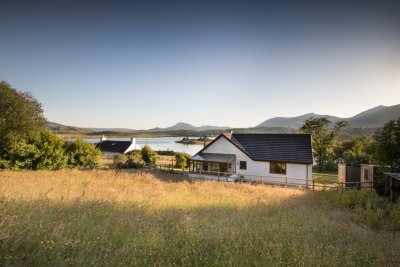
(107, 218)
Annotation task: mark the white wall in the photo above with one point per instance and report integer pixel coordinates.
(132, 146)
(225, 147)
(261, 168)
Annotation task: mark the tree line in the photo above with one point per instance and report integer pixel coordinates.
(328, 150)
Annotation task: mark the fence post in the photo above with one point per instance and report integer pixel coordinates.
(313, 185)
(285, 181)
(372, 186)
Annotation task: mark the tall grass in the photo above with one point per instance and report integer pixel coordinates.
(109, 218)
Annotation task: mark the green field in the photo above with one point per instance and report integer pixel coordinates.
(122, 218)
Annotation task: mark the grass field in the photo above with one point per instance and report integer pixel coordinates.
(109, 218)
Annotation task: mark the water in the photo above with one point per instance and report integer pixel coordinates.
(159, 143)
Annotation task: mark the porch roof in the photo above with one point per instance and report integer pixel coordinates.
(214, 157)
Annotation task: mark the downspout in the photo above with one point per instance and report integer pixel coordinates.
(307, 176)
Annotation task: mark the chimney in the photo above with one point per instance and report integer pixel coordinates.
(133, 142)
(103, 138)
(229, 134)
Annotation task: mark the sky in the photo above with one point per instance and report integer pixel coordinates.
(145, 64)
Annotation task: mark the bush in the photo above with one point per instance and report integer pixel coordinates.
(50, 152)
(46, 151)
(148, 155)
(41, 152)
(182, 160)
(81, 154)
(131, 160)
(370, 208)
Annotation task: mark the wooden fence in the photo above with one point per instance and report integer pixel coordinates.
(282, 181)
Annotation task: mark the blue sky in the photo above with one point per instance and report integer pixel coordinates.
(237, 63)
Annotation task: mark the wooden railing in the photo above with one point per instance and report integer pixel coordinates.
(271, 180)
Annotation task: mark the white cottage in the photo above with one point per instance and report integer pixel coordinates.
(113, 147)
(270, 158)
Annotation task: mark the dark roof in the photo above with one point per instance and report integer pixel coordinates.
(393, 175)
(291, 148)
(214, 157)
(114, 146)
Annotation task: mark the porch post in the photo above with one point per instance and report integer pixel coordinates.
(218, 169)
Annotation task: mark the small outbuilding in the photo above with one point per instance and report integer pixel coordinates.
(358, 176)
(112, 147)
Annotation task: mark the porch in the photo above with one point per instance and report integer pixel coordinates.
(213, 164)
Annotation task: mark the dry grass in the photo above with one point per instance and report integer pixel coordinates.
(165, 160)
(109, 218)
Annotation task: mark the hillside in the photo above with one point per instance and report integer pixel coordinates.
(375, 117)
(371, 118)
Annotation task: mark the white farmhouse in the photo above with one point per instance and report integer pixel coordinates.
(269, 158)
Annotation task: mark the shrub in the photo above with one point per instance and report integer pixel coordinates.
(50, 152)
(370, 208)
(41, 152)
(182, 160)
(46, 151)
(81, 154)
(132, 160)
(148, 155)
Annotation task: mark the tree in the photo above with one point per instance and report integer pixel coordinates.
(21, 116)
(81, 154)
(148, 155)
(388, 140)
(323, 140)
(356, 151)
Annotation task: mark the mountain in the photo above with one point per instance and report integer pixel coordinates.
(375, 117)
(182, 126)
(371, 118)
(293, 122)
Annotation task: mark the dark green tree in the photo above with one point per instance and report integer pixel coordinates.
(148, 155)
(21, 116)
(356, 151)
(388, 140)
(324, 139)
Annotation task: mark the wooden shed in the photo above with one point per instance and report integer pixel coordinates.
(357, 176)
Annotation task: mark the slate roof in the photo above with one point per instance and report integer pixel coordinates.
(290, 148)
(114, 146)
(214, 157)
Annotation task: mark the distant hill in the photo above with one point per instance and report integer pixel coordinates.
(371, 118)
(188, 127)
(375, 117)
(294, 122)
(60, 128)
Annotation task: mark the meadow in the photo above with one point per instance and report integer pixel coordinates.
(127, 218)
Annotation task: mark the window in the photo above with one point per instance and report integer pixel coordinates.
(243, 165)
(277, 168)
